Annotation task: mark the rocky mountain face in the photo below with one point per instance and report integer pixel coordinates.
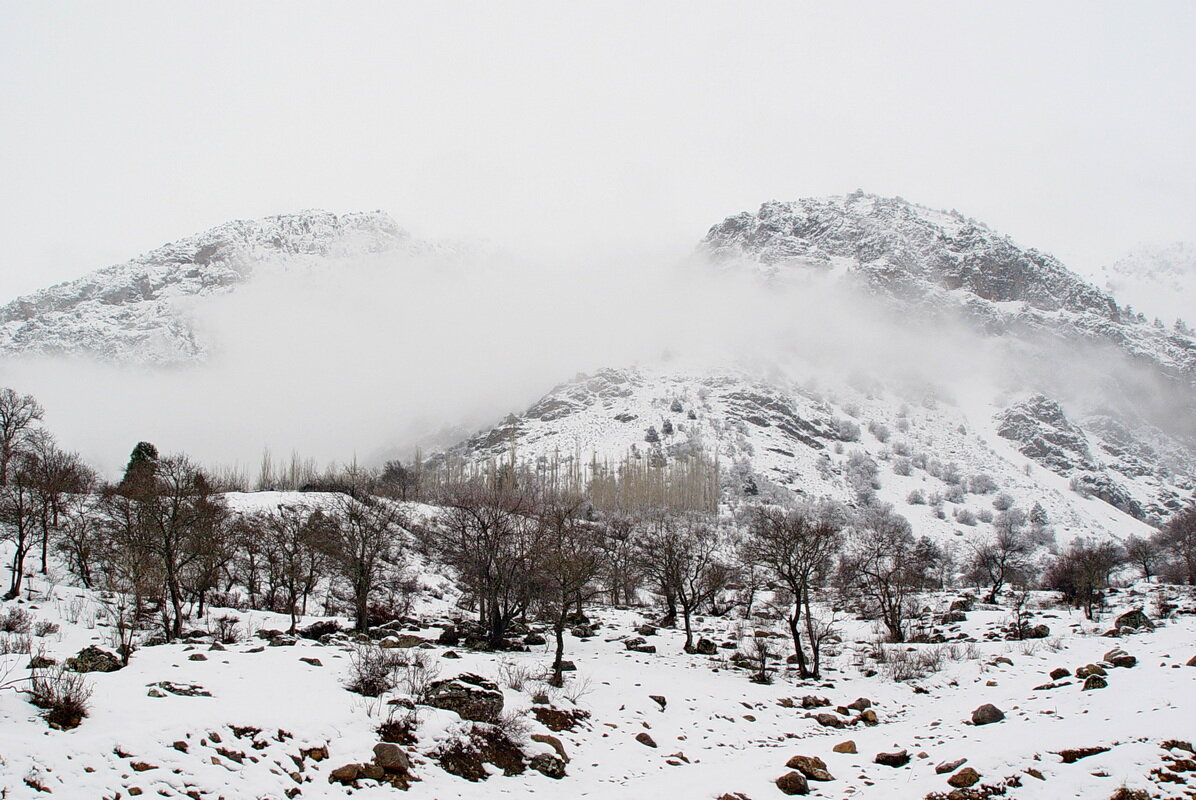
(1041, 441)
(134, 312)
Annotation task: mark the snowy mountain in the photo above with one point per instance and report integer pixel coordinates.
(1099, 454)
(1159, 281)
(136, 312)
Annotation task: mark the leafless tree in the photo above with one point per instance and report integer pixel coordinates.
(364, 541)
(878, 568)
(570, 561)
(18, 415)
(18, 518)
(1178, 539)
(1082, 572)
(1003, 556)
(291, 537)
(795, 545)
(1144, 553)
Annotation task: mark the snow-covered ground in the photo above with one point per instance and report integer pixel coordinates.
(717, 734)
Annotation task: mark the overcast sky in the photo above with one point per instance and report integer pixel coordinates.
(558, 128)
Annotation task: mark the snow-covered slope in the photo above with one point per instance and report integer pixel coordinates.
(1159, 281)
(133, 312)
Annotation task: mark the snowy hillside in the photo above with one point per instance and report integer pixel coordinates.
(1159, 281)
(136, 312)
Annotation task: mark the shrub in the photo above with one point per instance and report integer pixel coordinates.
(16, 620)
(44, 627)
(982, 483)
(879, 430)
(916, 498)
(902, 466)
(16, 643)
(228, 629)
(372, 670)
(847, 430)
(954, 494)
(984, 515)
(964, 516)
(62, 696)
(1002, 502)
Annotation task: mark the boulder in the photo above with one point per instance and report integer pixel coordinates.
(792, 783)
(949, 766)
(987, 714)
(827, 720)
(846, 747)
(93, 659)
(582, 632)
(1119, 658)
(1059, 673)
(533, 639)
(952, 617)
(898, 759)
(705, 647)
(551, 741)
(449, 637)
(548, 765)
(646, 630)
(659, 700)
(639, 644)
(1192, 661)
(1094, 682)
(472, 697)
(391, 757)
(812, 767)
(964, 778)
(345, 775)
(645, 739)
(1090, 669)
(1134, 619)
(860, 704)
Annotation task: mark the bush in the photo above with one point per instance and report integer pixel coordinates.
(44, 627)
(984, 515)
(964, 516)
(372, 670)
(916, 498)
(61, 695)
(982, 483)
(879, 430)
(16, 620)
(954, 494)
(1002, 502)
(902, 466)
(228, 629)
(847, 430)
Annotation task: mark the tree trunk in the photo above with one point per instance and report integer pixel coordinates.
(794, 618)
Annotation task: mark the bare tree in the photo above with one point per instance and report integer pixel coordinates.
(1003, 556)
(570, 561)
(794, 545)
(18, 519)
(1144, 553)
(1178, 538)
(1082, 572)
(53, 473)
(291, 538)
(364, 541)
(18, 415)
(620, 565)
(487, 534)
(877, 568)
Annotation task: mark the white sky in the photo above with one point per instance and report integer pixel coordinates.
(558, 128)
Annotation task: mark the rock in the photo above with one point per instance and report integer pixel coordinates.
(471, 696)
(93, 659)
(391, 757)
(548, 765)
(705, 647)
(345, 775)
(898, 759)
(952, 617)
(1003, 660)
(846, 747)
(1072, 756)
(827, 720)
(404, 641)
(1039, 631)
(987, 714)
(315, 662)
(41, 662)
(533, 639)
(551, 741)
(1192, 661)
(1090, 669)
(812, 767)
(659, 700)
(450, 638)
(318, 630)
(793, 783)
(450, 654)
(860, 704)
(582, 632)
(1134, 619)
(645, 739)
(154, 692)
(282, 640)
(868, 717)
(373, 772)
(646, 630)
(1119, 658)
(634, 642)
(964, 778)
(1059, 672)
(962, 604)
(811, 701)
(568, 666)
(315, 753)
(197, 657)
(949, 766)
(1094, 682)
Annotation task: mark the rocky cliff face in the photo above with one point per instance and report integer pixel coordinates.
(131, 312)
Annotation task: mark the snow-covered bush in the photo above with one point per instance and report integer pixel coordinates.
(879, 430)
(916, 498)
(1003, 502)
(62, 696)
(982, 483)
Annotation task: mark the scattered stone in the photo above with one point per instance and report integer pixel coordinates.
(1090, 669)
(403, 641)
(471, 696)
(315, 753)
(1094, 682)
(1003, 660)
(553, 742)
(639, 644)
(812, 767)
(646, 630)
(898, 759)
(1119, 658)
(964, 778)
(391, 757)
(1134, 619)
(1034, 773)
(705, 647)
(141, 766)
(860, 704)
(793, 783)
(180, 745)
(1072, 756)
(197, 657)
(345, 775)
(868, 717)
(949, 766)
(93, 659)
(846, 747)
(534, 639)
(450, 654)
(582, 632)
(41, 662)
(987, 714)
(315, 662)
(810, 701)
(645, 739)
(827, 720)
(180, 689)
(548, 765)
(659, 700)
(1192, 661)
(1059, 672)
